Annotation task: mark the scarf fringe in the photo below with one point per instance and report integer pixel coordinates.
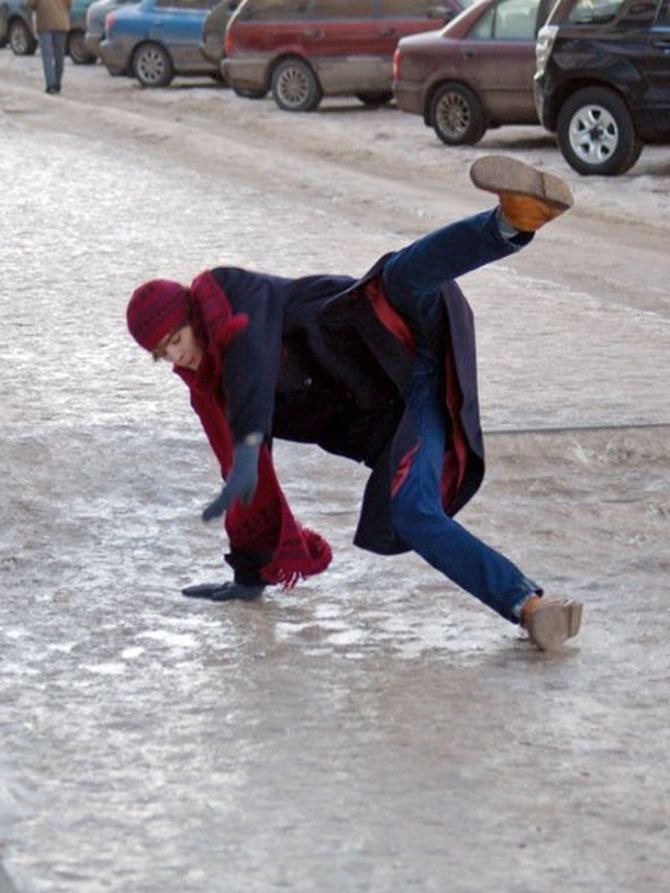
(287, 570)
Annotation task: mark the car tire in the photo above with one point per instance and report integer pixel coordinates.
(249, 93)
(456, 115)
(596, 134)
(152, 65)
(20, 39)
(374, 100)
(76, 49)
(295, 87)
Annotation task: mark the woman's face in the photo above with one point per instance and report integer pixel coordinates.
(180, 348)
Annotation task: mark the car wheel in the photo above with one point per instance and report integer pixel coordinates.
(373, 100)
(295, 87)
(20, 39)
(76, 49)
(152, 65)
(596, 133)
(457, 116)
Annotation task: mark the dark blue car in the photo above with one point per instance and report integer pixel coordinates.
(156, 40)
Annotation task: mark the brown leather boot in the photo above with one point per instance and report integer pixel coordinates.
(549, 622)
(529, 198)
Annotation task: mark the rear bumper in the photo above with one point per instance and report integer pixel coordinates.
(212, 51)
(92, 43)
(408, 97)
(115, 59)
(245, 74)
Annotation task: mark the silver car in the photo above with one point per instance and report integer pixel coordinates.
(95, 22)
(154, 40)
(16, 27)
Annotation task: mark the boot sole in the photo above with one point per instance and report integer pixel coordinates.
(498, 174)
(550, 626)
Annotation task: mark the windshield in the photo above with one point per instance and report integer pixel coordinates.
(595, 10)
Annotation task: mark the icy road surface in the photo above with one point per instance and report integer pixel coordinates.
(375, 729)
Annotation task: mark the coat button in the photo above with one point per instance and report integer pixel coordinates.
(308, 382)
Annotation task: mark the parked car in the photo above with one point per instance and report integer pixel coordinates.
(475, 73)
(214, 30)
(16, 27)
(302, 50)
(76, 48)
(95, 22)
(156, 39)
(603, 80)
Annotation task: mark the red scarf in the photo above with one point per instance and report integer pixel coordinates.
(267, 525)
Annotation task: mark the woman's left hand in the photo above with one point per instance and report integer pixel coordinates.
(242, 481)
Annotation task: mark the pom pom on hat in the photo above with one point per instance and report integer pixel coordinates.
(156, 309)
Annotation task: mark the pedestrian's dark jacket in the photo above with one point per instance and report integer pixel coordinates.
(327, 360)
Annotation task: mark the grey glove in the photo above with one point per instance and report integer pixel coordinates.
(224, 592)
(242, 480)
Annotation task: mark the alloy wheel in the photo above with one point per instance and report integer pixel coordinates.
(593, 134)
(453, 114)
(151, 66)
(293, 86)
(19, 39)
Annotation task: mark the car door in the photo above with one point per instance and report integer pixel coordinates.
(339, 41)
(653, 61)
(177, 24)
(400, 18)
(498, 59)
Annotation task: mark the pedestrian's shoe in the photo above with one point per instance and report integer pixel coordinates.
(529, 198)
(224, 592)
(549, 622)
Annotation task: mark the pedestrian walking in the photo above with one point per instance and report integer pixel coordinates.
(379, 369)
(52, 23)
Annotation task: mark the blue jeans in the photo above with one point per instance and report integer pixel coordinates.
(413, 278)
(52, 49)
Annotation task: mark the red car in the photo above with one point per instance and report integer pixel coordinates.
(305, 49)
(474, 74)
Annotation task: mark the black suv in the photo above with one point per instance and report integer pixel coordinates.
(603, 80)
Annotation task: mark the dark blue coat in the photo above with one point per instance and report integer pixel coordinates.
(322, 362)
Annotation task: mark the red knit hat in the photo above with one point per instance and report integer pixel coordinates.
(157, 309)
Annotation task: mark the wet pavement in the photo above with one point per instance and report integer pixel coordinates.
(374, 729)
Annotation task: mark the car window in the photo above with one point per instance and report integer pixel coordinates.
(507, 20)
(640, 14)
(590, 11)
(271, 10)
(413, 8)
(336, 9)
(186, 4)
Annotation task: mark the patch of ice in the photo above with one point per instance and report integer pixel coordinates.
(170, 639)
(105, 669)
